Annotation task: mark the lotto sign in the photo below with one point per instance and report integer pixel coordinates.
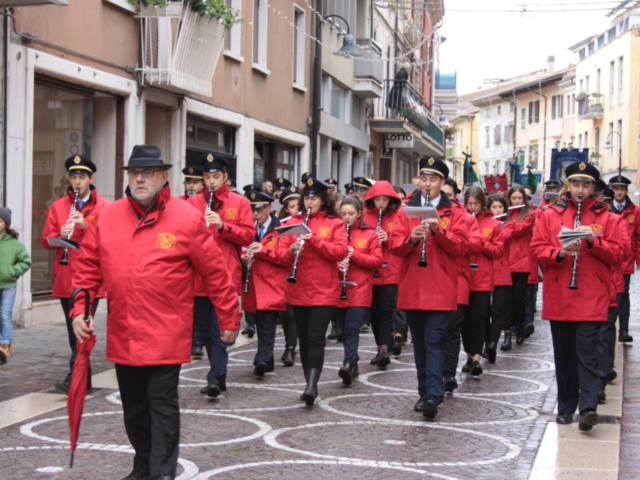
(398, 140)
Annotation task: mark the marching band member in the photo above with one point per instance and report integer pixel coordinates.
(193, 183)
(552, 187)
(623, 206)
(473, 326)
(428, 293)
(84, 203)
(577, 290)
(363, 257)
(230, 221)
(263, 292)
(382, 204)
(361, 186)
(314, 289)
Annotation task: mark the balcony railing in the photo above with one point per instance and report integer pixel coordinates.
(591, 106)
(402, 101)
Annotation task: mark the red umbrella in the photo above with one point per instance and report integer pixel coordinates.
(78, 388)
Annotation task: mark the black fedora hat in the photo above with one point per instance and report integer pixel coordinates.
(147, 156)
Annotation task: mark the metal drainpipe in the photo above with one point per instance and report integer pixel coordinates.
(317, 85)
(5, 75)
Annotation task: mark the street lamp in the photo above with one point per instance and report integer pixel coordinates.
(442, 119)
(348, 50)
(609, 146)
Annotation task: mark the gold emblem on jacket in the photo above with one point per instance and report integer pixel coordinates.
(361, 243)
(231, 214)
(166, 241)
(324, 231)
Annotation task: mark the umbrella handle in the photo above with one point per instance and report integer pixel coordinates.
(87, 301)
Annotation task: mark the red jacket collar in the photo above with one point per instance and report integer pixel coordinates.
(149, 217)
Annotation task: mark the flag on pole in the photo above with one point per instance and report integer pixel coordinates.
(531, 181)
(515, 174)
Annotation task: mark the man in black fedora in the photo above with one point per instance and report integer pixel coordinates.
(147, 249)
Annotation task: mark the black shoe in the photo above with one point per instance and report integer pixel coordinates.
(138, 475)
(289, 357)
(384, 360)
(163, 477)
(476, 369)
(611, 376)
(338, 336)
(196, 352)
(564, 419)
(65, 385)
(492, 351)
(419, 406)
(250, 331)
(588, 420)
(332, 334)
(450, 384)
(506, 344)
(396, 345)
(375, 360)
(624, 337)
(466, 368)
(212, 390)
(430, 409)
(348, 373)
(261, 368)
(520, 336)
(529, 330)
(602, 396)
(311, 391)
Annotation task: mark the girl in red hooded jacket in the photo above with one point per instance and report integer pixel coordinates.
(316, 289)
(473, 326)
(364, 256)
(382, 204)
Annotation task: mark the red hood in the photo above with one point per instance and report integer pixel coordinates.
(381, 187)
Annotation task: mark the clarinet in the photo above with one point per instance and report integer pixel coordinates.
(573, 284)
(425, 236)
(247, 273)
(208, 209)
(189, 193)
(65, 254)
(345, 272)
(294, 269)
(376, 273)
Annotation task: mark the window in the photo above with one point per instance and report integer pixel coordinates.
(523, 119)
(298, 46)
(583, 54)
(568, 105)
(260, 16)
(556, 106)
(579, 140)
(232, 39)
(508, 133)
(601, 41)
(586, 139)
(620, 80)
(497, 131)
(533, 156)
(534, 112)
(612, 140)
(498, 166)
(487, 136)
(338, 101)
(598, 78)
(511, 108)
(611, 34)
(521, 157)
(597, 140)
(591, 47)
(499, 111)
(586, 84)
(612, 82)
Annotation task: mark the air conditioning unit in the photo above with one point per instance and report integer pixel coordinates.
(32, 3)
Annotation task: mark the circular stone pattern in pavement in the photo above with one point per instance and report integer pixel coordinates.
(364, 441)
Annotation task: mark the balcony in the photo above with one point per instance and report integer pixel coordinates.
(590, 106)
(402, 110)
(368, 70)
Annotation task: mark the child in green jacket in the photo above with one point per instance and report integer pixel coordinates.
(14, 261)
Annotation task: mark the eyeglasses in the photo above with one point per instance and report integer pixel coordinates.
(144, 173)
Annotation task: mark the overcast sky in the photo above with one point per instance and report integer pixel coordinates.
(497, 44)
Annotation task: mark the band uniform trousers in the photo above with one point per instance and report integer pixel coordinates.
(73, 341)
(575, 354)
(473, 325)
(289, 328)
(352, 319)
(452, 340)
(518, 298)
(149, 397)
(623, 310)
(311, 324)
(607, 345)
(266, 323)
(531, 295)
(428, 331)
(382, 312)
(500, 311)
(216, 348)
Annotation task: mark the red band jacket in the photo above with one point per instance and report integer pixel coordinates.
(482, 278)
(631, 216)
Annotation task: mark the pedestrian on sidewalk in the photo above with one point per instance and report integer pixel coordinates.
(577, 289)
(14, 262)
(148, 248)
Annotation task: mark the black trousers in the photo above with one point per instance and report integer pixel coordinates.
(452, 341)
(312, 323)
(473, 324)
(205, 315)
(607, 345)
(623, 309)
(518, 297)
(382, 312)
(73, 341)
(500, 311)
(151, 416)
(576, 359)
(266, 323)
(531, 295)
(289, 328)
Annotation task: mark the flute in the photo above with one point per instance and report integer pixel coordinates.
(65, 254)
(376, 273)
(208, 209)
(573, 284)
(247, 274)
(345, 272)
(423, 251)
(294, 269)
